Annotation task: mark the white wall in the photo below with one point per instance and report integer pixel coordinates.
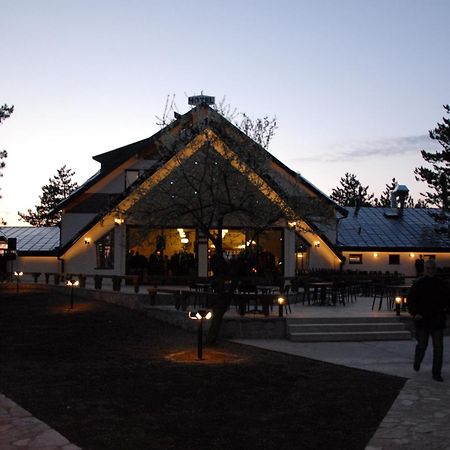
(34, 264)
(381, 262)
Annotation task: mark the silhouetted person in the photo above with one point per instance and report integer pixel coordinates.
(428, 302)
(420, 266)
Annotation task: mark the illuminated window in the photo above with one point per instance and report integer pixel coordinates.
(355, 258)
(105, 251)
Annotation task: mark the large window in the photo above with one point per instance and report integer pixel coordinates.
(250, 254)
(105, 251)
(169, 251)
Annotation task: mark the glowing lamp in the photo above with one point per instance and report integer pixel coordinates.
(398, 303)
(200, 315)
(281, 302)
(72, 284)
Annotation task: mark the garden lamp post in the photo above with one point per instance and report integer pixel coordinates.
(200, 315)
(72, 284)
(398, 304)
(281, 302)
(18, 275)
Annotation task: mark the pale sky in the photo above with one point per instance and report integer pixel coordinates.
(355, 85)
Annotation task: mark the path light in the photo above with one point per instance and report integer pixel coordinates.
(18, 275)
(200, 315)
(398, 303)
(281, 302)
(72, 284)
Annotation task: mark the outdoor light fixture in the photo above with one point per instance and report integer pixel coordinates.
(316, 243)
(184, 240)
(200, 315)
(411, 255)
(292, 224)
(281, 302)
(119, 221)
(18, 275)
(87, 241)
(398, 303)
(72, 284)
(375, 255)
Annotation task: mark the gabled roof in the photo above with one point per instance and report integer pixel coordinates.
(149, 147)
(42, 241)
(380, 228)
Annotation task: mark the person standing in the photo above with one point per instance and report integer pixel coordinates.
(419, 265)
(428, 303)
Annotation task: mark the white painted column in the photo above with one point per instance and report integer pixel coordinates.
(289, 252)
(120, 248)
(202, 255)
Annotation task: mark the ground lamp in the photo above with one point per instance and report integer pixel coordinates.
(18, 275)
(200, 315)
(72, 284)
(281, 302)
(398, 304)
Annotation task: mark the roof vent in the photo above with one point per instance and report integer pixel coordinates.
(398, 200)
(197, 100)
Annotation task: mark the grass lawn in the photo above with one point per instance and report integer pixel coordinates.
(110, 378)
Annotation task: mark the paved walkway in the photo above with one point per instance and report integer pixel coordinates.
(19, 430)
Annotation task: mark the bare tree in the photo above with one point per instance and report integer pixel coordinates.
(211, 183)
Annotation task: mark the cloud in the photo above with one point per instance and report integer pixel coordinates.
(357, 150)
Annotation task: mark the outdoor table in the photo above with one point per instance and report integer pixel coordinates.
(318, 287)
(266, 289)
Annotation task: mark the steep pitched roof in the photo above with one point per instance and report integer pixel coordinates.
(149, 146)
(43, 241)
(418, 229)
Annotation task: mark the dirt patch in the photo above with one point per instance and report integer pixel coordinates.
(109, 378)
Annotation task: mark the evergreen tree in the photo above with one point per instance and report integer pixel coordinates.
(438, 176)
(59, 188)
(385, 198)
(351, 192)
(5, 112)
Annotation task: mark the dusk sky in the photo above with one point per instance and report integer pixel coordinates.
(355, 85)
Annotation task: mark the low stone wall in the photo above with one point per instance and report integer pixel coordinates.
(246, 327)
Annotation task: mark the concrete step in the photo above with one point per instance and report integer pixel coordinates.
(346, 329)
(355, 336)
(342, 327)
(388, 319)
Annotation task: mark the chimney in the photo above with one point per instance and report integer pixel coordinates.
(399, 194)
(393, 200)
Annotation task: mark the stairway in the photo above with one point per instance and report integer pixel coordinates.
(346, 329)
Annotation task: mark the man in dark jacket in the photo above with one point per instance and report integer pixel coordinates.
(428, 302)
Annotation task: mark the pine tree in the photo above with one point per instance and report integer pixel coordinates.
(351, 192)
(385, 198)
(438, 176)
(59, 188)
(5, 112)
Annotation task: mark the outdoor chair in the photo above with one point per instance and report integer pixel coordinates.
(380, 292)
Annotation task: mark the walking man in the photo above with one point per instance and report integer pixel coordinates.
(428, 302)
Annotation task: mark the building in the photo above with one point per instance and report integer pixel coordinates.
(391, 239)
(173, 203)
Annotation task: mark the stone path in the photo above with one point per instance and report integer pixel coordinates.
(19, 430)
(419, 419)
